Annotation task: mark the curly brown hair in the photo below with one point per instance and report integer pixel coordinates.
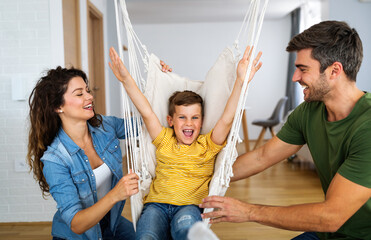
(45, 98)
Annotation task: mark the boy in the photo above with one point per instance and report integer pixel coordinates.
(185, 159)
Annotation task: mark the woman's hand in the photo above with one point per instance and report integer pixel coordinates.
(244, 63)
(88, 217)
(126, 187)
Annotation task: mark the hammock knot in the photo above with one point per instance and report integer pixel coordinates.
(145, 58)
(236, 44)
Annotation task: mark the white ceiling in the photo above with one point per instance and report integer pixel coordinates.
(176, 11)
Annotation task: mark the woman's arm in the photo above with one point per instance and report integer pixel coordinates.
(89, 217)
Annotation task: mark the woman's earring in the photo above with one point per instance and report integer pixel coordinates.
(60, 111)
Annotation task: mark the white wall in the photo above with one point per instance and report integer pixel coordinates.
(192, 48)
(357, 15)
(114, 86)
(31, 41)
(25, 51)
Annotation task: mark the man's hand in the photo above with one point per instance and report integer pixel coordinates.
(226, 209)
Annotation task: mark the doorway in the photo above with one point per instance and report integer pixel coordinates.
(71, 33)
(96, 58)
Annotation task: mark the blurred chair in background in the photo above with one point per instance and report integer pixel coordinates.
(271, 122)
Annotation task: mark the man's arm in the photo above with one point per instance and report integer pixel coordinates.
(223, 126)
(343, 199)
(251, 163)
(140, 101)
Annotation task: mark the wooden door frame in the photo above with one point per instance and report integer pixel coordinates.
(96, 54)
(76, 35)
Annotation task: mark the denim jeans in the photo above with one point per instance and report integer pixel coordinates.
(160, 221)
(124, 230)
(307, 236)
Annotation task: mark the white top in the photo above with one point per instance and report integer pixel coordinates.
(103, 178)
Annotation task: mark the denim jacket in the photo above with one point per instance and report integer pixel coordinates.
(71, 179)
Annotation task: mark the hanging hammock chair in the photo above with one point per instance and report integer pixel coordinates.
(158, 87)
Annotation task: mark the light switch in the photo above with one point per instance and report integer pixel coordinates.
(18, 88)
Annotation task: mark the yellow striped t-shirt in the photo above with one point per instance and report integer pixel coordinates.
(183, 172)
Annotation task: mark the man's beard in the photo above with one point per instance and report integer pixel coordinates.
(318, 92)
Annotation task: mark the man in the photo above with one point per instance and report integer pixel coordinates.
(335, 122)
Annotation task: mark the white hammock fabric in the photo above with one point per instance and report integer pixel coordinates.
(158, 87)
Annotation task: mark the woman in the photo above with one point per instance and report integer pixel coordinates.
(75, 156)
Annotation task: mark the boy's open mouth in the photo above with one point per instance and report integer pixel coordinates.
(188, 132)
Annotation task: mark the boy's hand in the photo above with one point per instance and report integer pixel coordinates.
(119, 69)
(244, 63)
(165, 68)
(117, 66)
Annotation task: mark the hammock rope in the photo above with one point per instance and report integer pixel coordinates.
(137, 152)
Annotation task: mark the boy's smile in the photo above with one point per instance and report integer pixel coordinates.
(187, 123)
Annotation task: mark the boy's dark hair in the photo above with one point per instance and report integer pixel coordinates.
(331, 41)
(184, 98)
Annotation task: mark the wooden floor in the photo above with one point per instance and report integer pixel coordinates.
(284, 184)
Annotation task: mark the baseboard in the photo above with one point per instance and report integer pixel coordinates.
(24, 223)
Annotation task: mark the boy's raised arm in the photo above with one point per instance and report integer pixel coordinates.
(140, 101)
(224, 124)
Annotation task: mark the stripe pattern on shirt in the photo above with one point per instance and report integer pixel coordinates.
(183, 172)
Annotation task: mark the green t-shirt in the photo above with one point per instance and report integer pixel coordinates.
(342, 147)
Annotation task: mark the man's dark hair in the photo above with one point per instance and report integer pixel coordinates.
(331, 41)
